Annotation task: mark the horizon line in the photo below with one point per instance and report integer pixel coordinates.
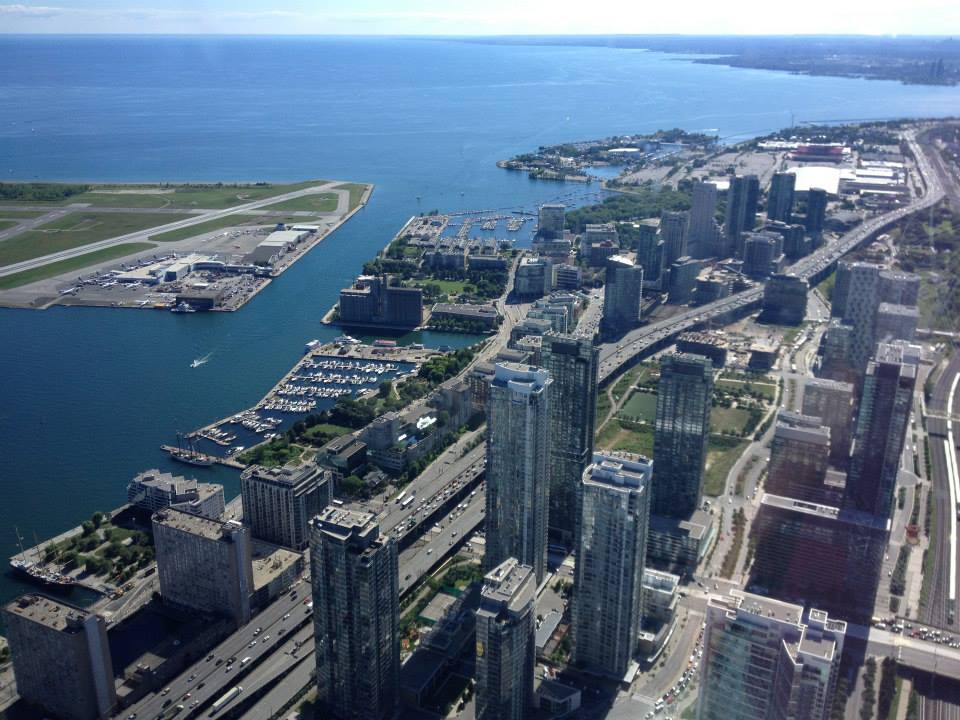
(876, 36)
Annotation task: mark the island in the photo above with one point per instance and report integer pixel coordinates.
(185, 248)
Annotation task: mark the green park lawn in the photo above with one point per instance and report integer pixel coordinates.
(722, 453)
(322, 202)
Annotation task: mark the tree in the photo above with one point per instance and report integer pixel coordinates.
(384, 390)
(87, 528)
(97, 519)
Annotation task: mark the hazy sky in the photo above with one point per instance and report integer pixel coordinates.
(482, 17)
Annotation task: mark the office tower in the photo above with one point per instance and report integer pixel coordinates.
(821, 555)
(506, 652)
(780, 200)
(673, 232)
(762, 254)
(896, 322)
(764, 661)
(799, 455)
(683, 279)
(611, 551)
(836, 362)
(356, 615)
(681, 431)
(518, 486)
(204, 565)
(885, 406)
(899, 288)
(279, 502)
(816, 210)
(552, 218)
(379, 300)
(573, 364)
(622, 293)
(861, 310)
(154, 490)
(61, 658)
(741, 212)
(785, 299)
(702, 230)
(832, 402)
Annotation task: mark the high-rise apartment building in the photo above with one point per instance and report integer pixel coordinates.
(356, 615)
(552, 217)
(650, 254)
(764, 661)
(505, 648)
(573, 364)
(278, 503)
(799, 456)
(518, 484)
(681, 431)
(882, 422)
(832, 402)
(780, 199)
(607, 608)
(762, 254)
(61, 658)
(785, 299)
(204, 565)
(816, 210)
(673, 232)
(622, 293)
(702, 231)
(741, 212)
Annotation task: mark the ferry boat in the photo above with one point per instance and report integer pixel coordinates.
(346, 340)
(311, 346)
(183, 308)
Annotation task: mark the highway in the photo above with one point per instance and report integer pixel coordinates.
(208, 678)
(343, 198)
(614, 355)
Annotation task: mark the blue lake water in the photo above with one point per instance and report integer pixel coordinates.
(87, 395)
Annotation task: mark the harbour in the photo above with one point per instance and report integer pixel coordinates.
(326, 372)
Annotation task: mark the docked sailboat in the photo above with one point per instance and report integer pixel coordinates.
(189, 454)
(36, 571)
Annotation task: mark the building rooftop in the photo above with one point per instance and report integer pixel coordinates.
(520, 378)
(344, 523)
(510, 585)
(194, 524)
(894, 309)
(49, 612)
(270, 561)
(824, 511)
(290, 474)
(762, 606)
(466, 309)
(622, 470)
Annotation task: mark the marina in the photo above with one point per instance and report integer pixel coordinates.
(325, 373)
